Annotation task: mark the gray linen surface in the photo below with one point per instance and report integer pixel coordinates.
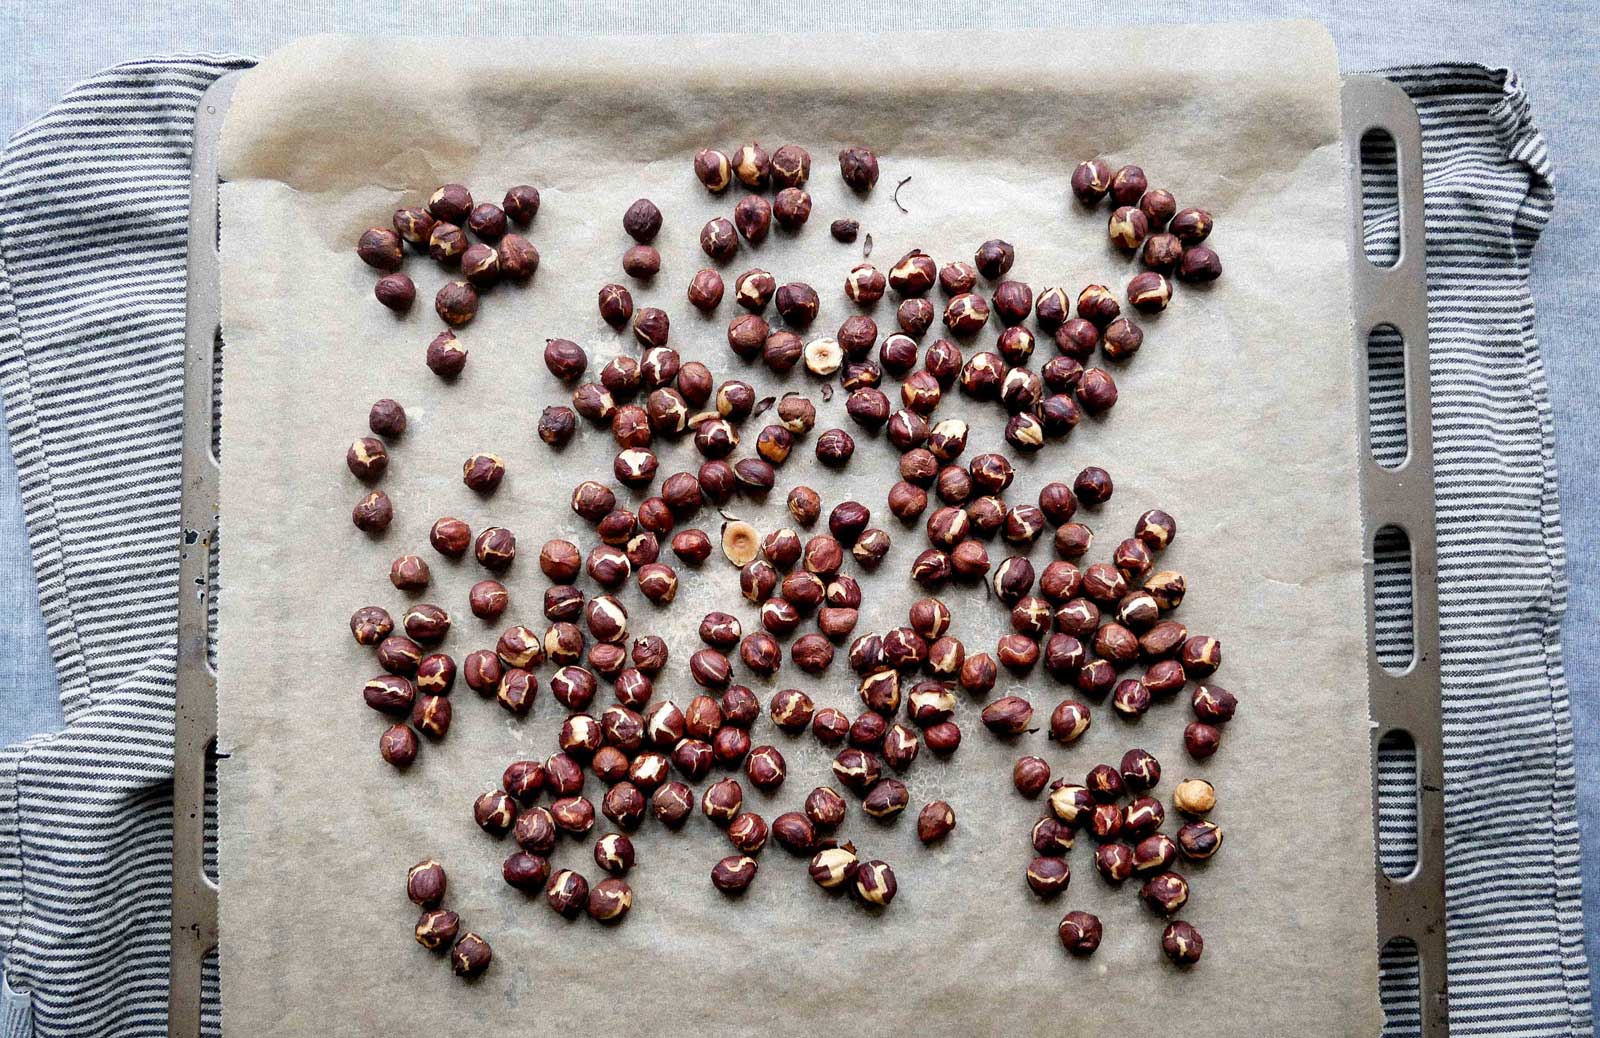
(93, 201)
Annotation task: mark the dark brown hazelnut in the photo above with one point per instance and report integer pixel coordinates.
(567, 893)
(616, 305)
(380, 247)
(1023, 524)
(857, 335)
(953, 485)
(830, 726)
(886, 799)
(1213, 704)
(958, 278)
(1191, 226)
(451, 202)
(425, 623)
(914, 316)
(1020, 391)
(413, 224)
(1116, 644)
(873, 884)
(1105, 822)
(906, 501)
(914, 274)
(563, 644)
(844, 230)
(1010, 715)
(943, 739)
(518, 258)
(1030, 775)
(943, 361)
(525, 871)
(858, 769)
(758, 580)
(1201, 740)
(931, 568)
(425, 883)
(436, 674)
(765, 768)
(1142, 817)
(470, 955)
(791, 208)
(991, 473)
(396, 291)
(1165, 893)
(797, 414)
(710, 669)
(865, 283)
(797, 303)
(747, 335)
(1149, 292)
(575, 815)
(1093, 485)
(1200, 656)
(556, 425)
(719, 240)
(1181, 943)
(1013, 301)
(866, 654)
(1161, 252)
(367, 458)
(761, 653)
(752, 166)
(692, 546)
(642, 221)
(1098, 306)
(1062, 375)
(494, 812)
(1091, 180)
(437, 928)
(834, 448)
(1052, 308)
(642, 262)
(446, 242)
(456, 303)
(930, 703)
(790, 166)
(753, 289)
(1158, 206)
(752, 217)
(781, 547)
(480, 265)
(1048, 875)
(900, 746)
(1128, 185)
(969, 560)
(868, 407)
(1017, 653)
(794, 832)
(908, 430)
(859, 167)
(651, 327)
(734, 874)
(1127, 227)
(1199, 265)
(987, 514)
(774, 444)
(1080, 933)
(714, 169)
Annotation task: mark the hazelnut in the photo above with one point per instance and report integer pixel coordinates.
(425, 623)
(1059, 414)
(1091, 180)
(1010, 715)
(525, 871)
(1194, 797)
(797, 303)
(381, 248)
(748, 833)
(575, 815)
(436, 674)
(1114, 862)
(812, 653)
(844, 230)
(1161, 252)
(874, 884)
(398, 291)
(494, 812)
(758, 581)
(412, 224)
(1072, 804)
(1030, 775)
(1191, 226)
(886, 799)
(969, 561)
(1200, 656)
(713, 169)
(567, 893)
(480, 265)
(1097, 305)
(1048, 876)
(761, 653)
(1080, 933)
(719, 240)
(1154, 853)
(451, 202)
(1128, 227)
(1165, 893)
(456, 303)
(733, 874)
(446, 358)
(1097, 391)
(865, 284)
(446, 242)
(830, 726)
(1181, 943)
(616, 305)
(517, 257)
(859, 167)
(1128, 185)
(774, 444)
(794, 833)
(1050, 836)
(470, 956)
(556, 425)
(1142, 817)
(954, 486)
(752, 217)
(914, 316)
(1201, 740)
(1052, 308)
(672, 803)
(994, 258)
(609, 900)
(436, 928)
(692, 546)
(1149, 292)
(1199, 264)
(834, 447)
(792, 208)
(1213, 704)
(823, 356)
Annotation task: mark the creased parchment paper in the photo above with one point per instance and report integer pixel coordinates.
(1238, 416)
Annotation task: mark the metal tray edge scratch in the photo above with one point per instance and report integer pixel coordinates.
(1410, 907)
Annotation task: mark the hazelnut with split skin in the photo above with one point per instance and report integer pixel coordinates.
(1091, 180)
(1181, 943)
(470, 955)
(874, 884)
(1080, 933)
(1030, 775)
(1048, 875)
(859, 167)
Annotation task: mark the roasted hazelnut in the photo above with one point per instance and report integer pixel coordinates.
(1161, 252)
(930, 703)
(373, 512)
(834, 448)
(525, 871)
(986, 514)
(752, 217)
(710, 669)
(969, 560)
(1070, 803)
(1142, 817)
(1062, 374)
(1064, 655)
(865, 283)
(1131, 698)
(470, 955)
(758, 580)
(495, 548)
(1149, 292)
(556, 425)
(1098, 306)
(1200, 656)
(517, 257)
(1116, 644)
(943, 361)
(868, 407)
(425, 623)
(797, 303)
(1020, 392)
(1052, 308)
(1080, 933)
(792, 208)
(567, 893)
(1010, 715)
(563, 776)
(907, 431)
(797, 414)
(1154, 853)
(943, 739)
(451, 202)
(794, 833)
(1060, 582)
(812, 653)
(1199, 264)
(1105, 822)
(1201, 740)
(886, 799)
(761, 653)
(715, 438)
(719, 240)
(672, 803)
(830, 726)
(705, 290)
(734, 874)
(765, 768)
(398, 291)
(446, 242)
(494, 812)
(857, 335)
(450, 537)
(1091, 180)
(1181, 943)
(1013, 301)
(907, 502)
(1164, 676)
(1138, 610)
(381, 248)
(412, 224)
(954, 486)
(616, 305)
(978, 674)
(1030, 616)
(425, 883)
(1048, 876)
(722, 801)
(575, 815)
(1093, 486)
(1072, 541)
(1194, 797)
(1128, 227)
(1165, 893)
(608, 566)
(1030, 775)
(1191, 226)
(1128, 185)
(857, 768)
(959, 278)
(844, 230)
(456, 303)
(748, 833)
(994, 258)
(859, 167)
(482, 670)
(1015, 344)
(437, 927)
(607, 619)
(1069, 721)
(713, 169)
(436, 675)
(692, 546)
(914, 316)
(409, 573)
(874, 884)
(1213, 704)
(480, 265)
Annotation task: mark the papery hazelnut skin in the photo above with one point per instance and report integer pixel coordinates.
(1091, 180)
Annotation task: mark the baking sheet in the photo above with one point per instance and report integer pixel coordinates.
(1238, 416)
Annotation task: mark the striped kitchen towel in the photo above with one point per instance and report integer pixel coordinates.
(93, 201)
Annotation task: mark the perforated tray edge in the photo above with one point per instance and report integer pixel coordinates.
(1410, 907)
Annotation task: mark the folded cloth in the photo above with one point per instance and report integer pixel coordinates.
(93, 204)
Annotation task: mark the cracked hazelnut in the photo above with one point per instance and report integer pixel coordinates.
(1200, 656)
(1114, 862)
(874, 884)
(1142, 817)
(865, 283)
(1165, 893)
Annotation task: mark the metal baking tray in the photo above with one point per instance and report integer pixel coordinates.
(1410, 907)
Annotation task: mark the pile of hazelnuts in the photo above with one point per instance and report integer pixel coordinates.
(1086, 626)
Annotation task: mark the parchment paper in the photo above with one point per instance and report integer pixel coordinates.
(1238, 416)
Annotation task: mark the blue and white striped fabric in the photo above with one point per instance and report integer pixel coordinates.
(93, 204)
